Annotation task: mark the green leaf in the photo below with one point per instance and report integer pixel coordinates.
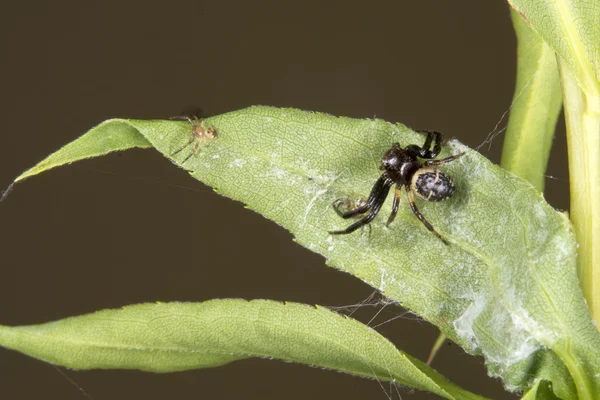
(572, 29)
(506, 285)
(115, 135)
(536, 105)
(542, 390)
(167, 337)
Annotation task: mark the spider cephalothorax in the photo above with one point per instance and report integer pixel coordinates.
(200, 132)
(404, 167)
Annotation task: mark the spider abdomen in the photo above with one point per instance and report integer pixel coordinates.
(432, 185)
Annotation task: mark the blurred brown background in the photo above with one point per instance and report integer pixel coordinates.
(93, 235)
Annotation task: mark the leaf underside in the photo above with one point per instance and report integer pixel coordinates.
(168, 337)
(506, 285)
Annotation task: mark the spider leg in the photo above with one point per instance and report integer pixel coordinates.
(429, 138)
(415, 210)
(378, 202)
(184, 146)
(337, 206)
(196, 147)
(432, 136)
(187, 158)
(179, 118)
(443, 160)
(395, 204)
(375, 193)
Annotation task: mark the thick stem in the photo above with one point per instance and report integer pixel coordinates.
(582, 114)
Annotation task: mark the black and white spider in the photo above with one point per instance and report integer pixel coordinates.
(402, 167)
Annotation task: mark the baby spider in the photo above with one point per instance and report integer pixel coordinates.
(199, 133)
(402, 167)
(344, 205)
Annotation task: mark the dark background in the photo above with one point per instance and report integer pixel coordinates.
(93, 235)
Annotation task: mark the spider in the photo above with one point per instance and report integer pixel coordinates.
(402, 167)
(343, 205)
(199, 132)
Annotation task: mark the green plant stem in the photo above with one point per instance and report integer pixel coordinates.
(436, 347)
(582, 115)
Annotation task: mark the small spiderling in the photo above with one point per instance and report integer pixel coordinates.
(200, 132)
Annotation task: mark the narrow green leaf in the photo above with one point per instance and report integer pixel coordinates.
(167, 337)
(506, 285)
(536, 105)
